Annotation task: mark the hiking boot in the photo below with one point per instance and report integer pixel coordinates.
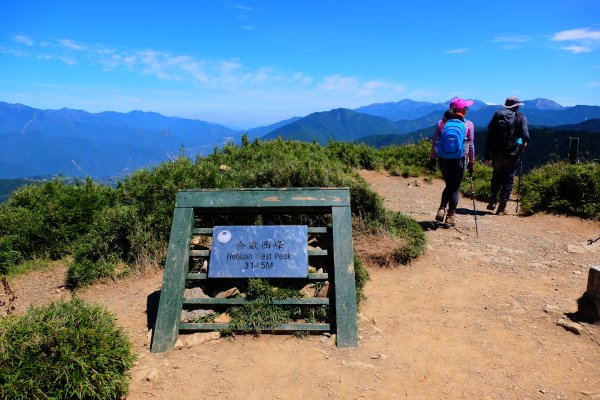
(491, 206)
(440, 215)
(501, 209)
(450, 220)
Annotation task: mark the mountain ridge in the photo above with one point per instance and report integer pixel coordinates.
(141, 138)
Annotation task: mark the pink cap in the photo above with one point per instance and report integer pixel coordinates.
(458, 104)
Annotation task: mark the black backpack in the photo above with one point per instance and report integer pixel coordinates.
(502, 129)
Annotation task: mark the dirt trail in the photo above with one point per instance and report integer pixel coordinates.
(471, 319)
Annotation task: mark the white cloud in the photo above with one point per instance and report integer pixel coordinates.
(68, 60)
(457, 51)
(12, 51)
(248, 27)
(594, 84)
(241, 7)
(343, 86)
(512, 39)
(577, 49)
(584, 40)
(23, 40)
(224, 82)
(576, 34)
(71, 44)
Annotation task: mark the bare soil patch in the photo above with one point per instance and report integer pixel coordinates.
(471, 319)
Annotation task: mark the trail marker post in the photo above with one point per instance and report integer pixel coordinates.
(242, 262)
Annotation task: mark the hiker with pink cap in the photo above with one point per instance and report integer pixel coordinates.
(453, 148)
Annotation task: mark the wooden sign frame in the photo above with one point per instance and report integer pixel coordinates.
(333, 201)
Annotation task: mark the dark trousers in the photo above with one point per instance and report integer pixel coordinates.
(503, 177)
(453, 172)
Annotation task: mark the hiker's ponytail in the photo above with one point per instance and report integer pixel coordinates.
(449, 114)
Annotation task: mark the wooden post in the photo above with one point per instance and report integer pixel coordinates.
(345, 289)
(588, 305)
(593, 285)
(171, 293)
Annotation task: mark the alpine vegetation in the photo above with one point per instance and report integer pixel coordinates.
(64, 350)
(110, 232)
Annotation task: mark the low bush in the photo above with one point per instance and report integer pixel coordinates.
(563, 189)
(408, 160)
(361, 277)
(409, 230)
(359, 156)
(102, 227)
(65, 350)
(259, 314)
(45, 220)
(107, 243)
(482, 182)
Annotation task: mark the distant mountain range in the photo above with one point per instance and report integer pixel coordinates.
(78, 143)
(344, 124)
(408, 109)
(110, 144)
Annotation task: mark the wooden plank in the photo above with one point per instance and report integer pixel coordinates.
(200, 276)
(171, 294)
(311, 301)
(199, 253)
(196, 276)
(318, 277)
(248, 198)
(345, 289)
(194, 326)
(202, 231)
(209, 231)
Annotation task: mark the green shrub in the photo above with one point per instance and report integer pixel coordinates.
(361, 277)
(353, 155)
(45, 220)
(407, 160)
(97, 253)
(482, 182)
(563, 189)
(275, 163)
(409, 230)
(101, 226)
(259, 314)
(65, 350)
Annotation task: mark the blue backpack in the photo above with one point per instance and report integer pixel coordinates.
(451, 143)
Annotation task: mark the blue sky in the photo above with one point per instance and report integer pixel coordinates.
(251, 63)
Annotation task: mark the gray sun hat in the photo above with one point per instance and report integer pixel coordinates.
(512, 102)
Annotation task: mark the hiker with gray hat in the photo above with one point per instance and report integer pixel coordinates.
(506, 139)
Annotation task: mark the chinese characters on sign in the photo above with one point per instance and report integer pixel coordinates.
(259, 251)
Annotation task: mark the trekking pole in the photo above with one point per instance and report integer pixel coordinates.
(520, 176)
(474, 209)
(594, 239)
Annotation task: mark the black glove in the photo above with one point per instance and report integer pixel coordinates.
(471, 168)
(432, 164)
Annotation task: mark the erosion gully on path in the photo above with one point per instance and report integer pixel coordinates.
(470, 319)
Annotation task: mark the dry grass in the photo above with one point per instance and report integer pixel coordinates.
(378, 249)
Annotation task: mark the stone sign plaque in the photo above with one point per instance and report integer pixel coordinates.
(259, 252)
